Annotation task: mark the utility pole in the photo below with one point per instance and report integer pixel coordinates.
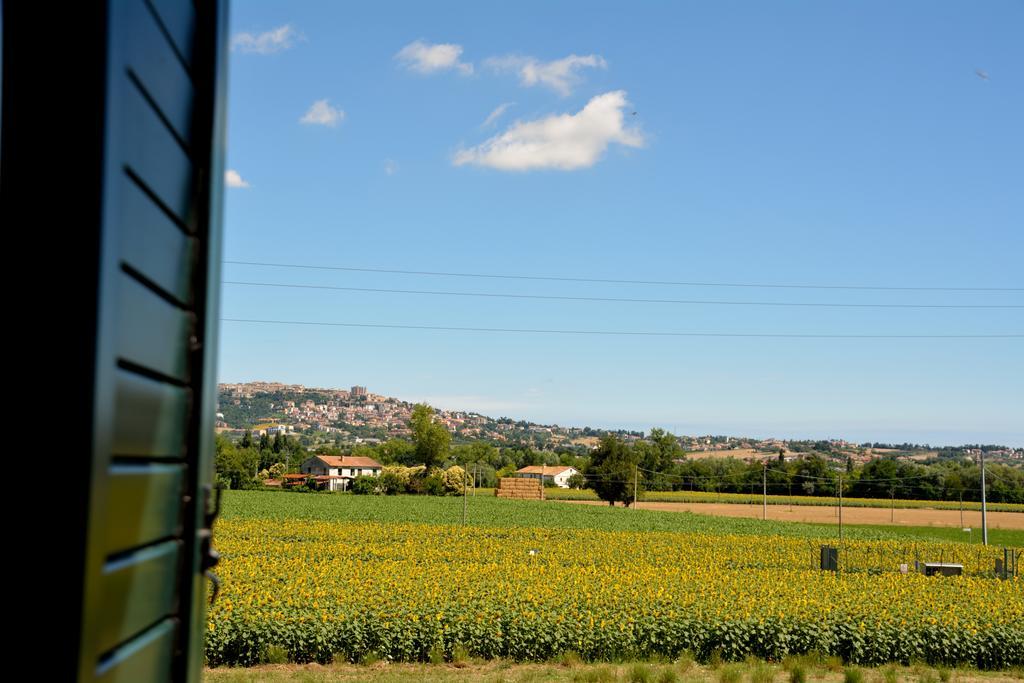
(984, 509)
(465, 488)
(840, 510)
(636, 475)
(961, 509)
(764, 486)
(543, 471)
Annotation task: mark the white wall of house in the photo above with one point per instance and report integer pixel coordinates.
(562, 478)
(317, 467)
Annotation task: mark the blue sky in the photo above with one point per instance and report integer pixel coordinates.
(773, 143)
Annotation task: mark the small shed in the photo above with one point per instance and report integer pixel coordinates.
(942, 569)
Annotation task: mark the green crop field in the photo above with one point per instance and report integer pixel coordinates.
(330, 577)
(484, 510)
(757, 499)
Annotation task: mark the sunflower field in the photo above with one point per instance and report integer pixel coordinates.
(328, 589)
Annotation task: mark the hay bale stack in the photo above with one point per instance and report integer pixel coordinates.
(519, 489)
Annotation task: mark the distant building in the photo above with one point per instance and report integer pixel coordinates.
(559, 474)
(334, 473)
(358, 392)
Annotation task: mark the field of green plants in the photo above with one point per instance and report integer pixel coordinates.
(756, 499)
(343, 578)
(486, 510)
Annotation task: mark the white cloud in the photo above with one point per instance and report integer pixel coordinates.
(390, 166)
(561, 141)
(560, 75)
(233, 179)
(426, 58)
(274, 40)
(323, 114)
(496, 114)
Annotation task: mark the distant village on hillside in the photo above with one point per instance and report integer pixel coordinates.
(357, 416)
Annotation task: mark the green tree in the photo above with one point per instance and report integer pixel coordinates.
(577, 481)
(365, 486)
(431, 439)
(397, 451)
(246, 440)
(277, 470)
(815, 469)
(238, 468)
(657, 456)
(612, 473)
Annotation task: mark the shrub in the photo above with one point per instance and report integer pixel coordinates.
(433, 485)
(364, 485)
(577, 481)
(413, 478)
(390, 482)
(454, 479)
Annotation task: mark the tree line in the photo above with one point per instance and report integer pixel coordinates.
(619, 472)
(616, 468)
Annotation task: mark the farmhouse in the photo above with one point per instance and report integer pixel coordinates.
(335, 473)
(559, 474)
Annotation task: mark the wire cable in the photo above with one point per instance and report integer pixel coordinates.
(548, 297)
(550, 278)
(622, 333)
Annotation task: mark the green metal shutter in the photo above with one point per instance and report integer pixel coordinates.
(135, 226)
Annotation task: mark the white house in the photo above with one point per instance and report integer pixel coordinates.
(559, 474)
(336, 472)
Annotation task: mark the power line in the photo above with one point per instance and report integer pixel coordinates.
(548, 297)
(731, 479)
(626, 333)
(551, 278)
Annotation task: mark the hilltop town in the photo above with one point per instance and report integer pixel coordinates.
(359, 416)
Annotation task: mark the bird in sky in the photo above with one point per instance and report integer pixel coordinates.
(982, 74)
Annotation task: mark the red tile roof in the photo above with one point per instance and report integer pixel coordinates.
(546, 470)
(348, 461)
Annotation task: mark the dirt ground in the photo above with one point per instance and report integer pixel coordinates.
(492, 672)
(851, 515)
